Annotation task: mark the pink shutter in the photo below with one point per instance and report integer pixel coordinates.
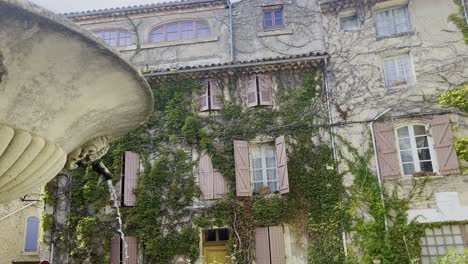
(115, 251)
(132, 250)
(132, 169)
(262, 246)
(203, 100)
(386, 151)
(252, 95)
(241, 158)
(282, 165)
(443, 145)
(216, 94)
(277, 249)
(265, 88)
(220, 185)
(205, 176)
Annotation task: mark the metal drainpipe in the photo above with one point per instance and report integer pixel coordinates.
(379, 177)
(16, 211)
(465, 11)
(231, 37)
(332, 132)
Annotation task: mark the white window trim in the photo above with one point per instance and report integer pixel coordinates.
(410, 20)
(435, 166)
(412, 70)
(265, 180)
(23, 251)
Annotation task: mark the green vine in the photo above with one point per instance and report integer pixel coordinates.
(459, 20)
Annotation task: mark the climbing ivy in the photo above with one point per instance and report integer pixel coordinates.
(459, 20)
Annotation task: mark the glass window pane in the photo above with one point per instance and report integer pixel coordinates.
(403, 132)
(404, 143)
(458, 240)
(424, 251)
(203, 30)
(408, 168)
(187, 30)
(426, 166)
(257, 186)
(440, 240)
(157, 35)
(460, 249)
(210, 235)
(271, 175)
(449, 240)
(273, 186)
(437, 231)
(270, 162)
(406, 156)
(268, 16)
(433, 251)
(456, 229)
(258, 176)
(429, 232)
(441, 250)
(347, 23)
(424, 154)
(425, 260)
(223, 234)
(419, 130)
(257, 163)
(421, 142)
(279, 18)
(172, 32)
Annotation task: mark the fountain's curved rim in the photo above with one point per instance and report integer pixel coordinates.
(61, 22)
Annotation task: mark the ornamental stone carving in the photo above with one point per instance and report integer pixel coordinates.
(88, 153)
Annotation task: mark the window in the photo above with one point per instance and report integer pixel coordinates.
(415, 149)
(116, 37)
(117, 250)
(263, 161)
(216, 235)
(393, 21)
(261, 165)
(273, 18)
(259, 89)
(397, 71)
(211, 99)
(32, 234)
(438, 240)
(349, 23)
(180, 30)
(269, 245)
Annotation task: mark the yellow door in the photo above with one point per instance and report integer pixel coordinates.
(215, 254)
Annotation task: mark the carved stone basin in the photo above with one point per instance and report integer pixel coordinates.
(63, 93)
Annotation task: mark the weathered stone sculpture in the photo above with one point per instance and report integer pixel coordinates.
(62, 93)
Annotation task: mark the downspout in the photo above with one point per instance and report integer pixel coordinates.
(18, 210)
(332, 134)
(379, 177)
(465, 10)
(231, 33)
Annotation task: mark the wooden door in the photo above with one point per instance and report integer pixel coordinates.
(215, 254)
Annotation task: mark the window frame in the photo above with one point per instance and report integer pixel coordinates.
(414, 148)
(180, 30)
(463, 234)
(412, 77)
(272, 10)
(118, 38)
(218, 241)
(26, 235)
(264, 167)
(341, 18)
(394, 33)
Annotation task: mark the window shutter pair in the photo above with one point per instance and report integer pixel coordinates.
(117, 246)
(130, 179)
(259, 90)
(269, 245)
(211, 100)
(212, 183)
(242, 163)
(387, 153)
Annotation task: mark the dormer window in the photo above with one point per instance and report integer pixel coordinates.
(115, 37)
(180, 30)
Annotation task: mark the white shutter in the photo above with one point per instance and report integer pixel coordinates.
(203, 100)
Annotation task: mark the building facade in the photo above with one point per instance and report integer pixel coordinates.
(383, 64)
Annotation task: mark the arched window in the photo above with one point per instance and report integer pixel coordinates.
(180, 30)
(115, 37)
(416, 149)
(32, 234)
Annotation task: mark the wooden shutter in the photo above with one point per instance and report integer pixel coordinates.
(265, 89)
(32, 234)
(215, 96)
(220, 185)
(443, 145)
(282, 165)
(277, 249)
(203, 100)
(132, 169)
(252, 92)
(115, 250)
(386, 151)
(205, 176)
(241, 158)
(262, 246)
(132, 250)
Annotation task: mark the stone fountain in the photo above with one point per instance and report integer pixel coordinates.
(63, 96)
